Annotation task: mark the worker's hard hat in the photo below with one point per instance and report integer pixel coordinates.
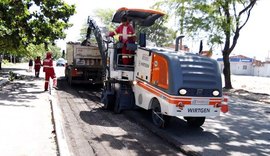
(48, 54)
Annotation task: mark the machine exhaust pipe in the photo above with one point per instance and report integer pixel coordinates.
(177, 42)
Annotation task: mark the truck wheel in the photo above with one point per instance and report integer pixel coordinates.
(195, 121)
(160, 120)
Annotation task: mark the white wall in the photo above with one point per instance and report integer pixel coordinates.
(267, 70)
(263, 71)
(241, 68)
(237, 69)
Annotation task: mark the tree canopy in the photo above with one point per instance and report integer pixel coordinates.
(32, 22)
(218, 21)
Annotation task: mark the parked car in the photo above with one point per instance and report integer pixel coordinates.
(61, 62)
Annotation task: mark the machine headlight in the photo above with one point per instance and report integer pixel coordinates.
(215, 93)
(182, 91)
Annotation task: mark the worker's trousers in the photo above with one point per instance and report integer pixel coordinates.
(47, 80)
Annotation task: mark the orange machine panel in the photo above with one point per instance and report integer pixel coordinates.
(159, 73)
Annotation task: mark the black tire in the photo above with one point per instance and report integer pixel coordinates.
(159, 120)
(195, 122)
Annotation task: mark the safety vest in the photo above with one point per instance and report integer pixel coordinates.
(126, 33)
(37, 63)
(48, 65)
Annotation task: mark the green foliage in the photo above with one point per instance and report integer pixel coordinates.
(39, 50)
(106, 16)
(12, 76)
(214, 20)
(25, 22)
(83, 31)
(158, 33)
(4, 61)
(176, 9)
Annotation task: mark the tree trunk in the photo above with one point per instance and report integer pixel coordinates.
(10, 58)
(227, 71)
(46, 46)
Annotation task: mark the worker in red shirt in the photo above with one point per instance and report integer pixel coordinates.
(49, 71)
(37, 66)
(126, 35)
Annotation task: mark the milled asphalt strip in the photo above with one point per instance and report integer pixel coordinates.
(59, 130)
(159, 132)
(171, 140)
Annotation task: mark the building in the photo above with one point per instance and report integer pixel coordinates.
(242, 65)
(262, 70)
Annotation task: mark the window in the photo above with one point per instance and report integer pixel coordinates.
(244, 67)
(159, 75)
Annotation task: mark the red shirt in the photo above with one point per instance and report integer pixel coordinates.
(126, 33)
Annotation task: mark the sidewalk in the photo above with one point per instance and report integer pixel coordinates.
(250, 88)
(25, 116)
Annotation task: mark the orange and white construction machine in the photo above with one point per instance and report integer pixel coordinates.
(168, 82)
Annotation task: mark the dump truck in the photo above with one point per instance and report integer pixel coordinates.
(84, 64)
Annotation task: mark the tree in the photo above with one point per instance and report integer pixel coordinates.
(175, 9)
(25, 22)
(158, 33)
(32, 51)
(105, 16)
(220, 20)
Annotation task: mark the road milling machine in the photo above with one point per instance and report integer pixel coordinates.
(170, 83)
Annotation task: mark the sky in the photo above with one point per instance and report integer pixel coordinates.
(254, 40)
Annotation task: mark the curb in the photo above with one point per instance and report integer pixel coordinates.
(250, 98)
(260, 97)
(61, 142)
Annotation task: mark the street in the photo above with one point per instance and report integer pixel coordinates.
(134, 78)
(242, 131)
(91, 130)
